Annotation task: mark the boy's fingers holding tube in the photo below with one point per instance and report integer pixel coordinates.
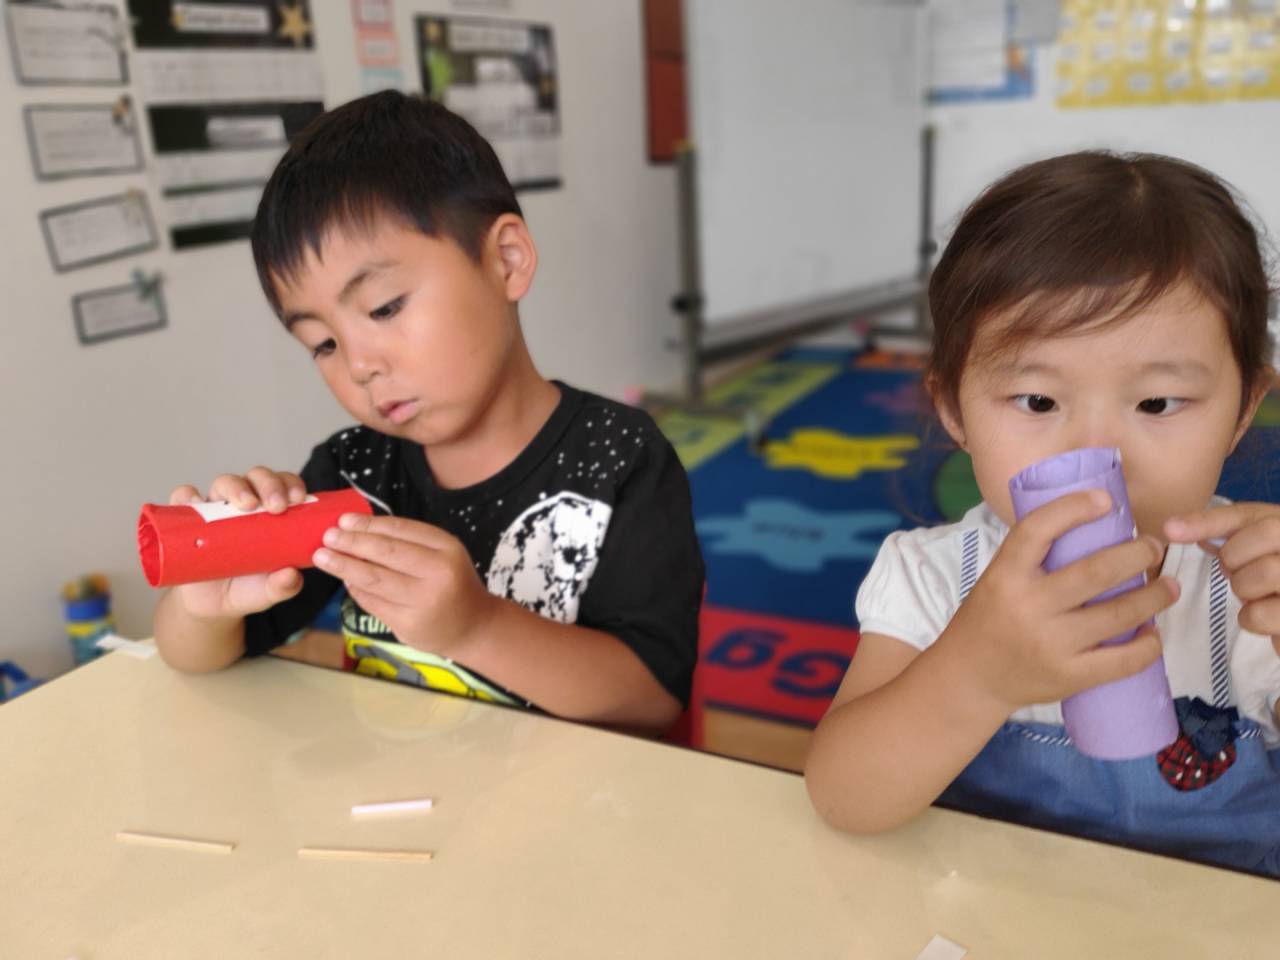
(283, 584)
(1031, 538)
(270, 488)
(399, 528)
(297, 490)
(183, 495)
(235, 490)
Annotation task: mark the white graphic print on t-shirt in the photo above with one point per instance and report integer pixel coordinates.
(545, 559)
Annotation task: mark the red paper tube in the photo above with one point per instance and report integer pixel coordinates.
(214, 541)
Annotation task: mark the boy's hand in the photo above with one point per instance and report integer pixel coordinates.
(241, 596)
(415, 578)
(1026, 636)
(1247, 540)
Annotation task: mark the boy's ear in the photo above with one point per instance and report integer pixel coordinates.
(514, 254)
(946, 413)
(1266, 381)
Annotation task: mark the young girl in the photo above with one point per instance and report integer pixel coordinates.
(1088, 300)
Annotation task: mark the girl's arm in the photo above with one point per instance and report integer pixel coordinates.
(904, 724)
(1248, 547)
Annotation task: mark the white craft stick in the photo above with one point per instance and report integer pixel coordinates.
(940, 948)
(343, 853)
(391, 808)
(176, 843)
(134, 648)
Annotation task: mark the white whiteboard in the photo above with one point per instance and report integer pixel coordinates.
(807, 119)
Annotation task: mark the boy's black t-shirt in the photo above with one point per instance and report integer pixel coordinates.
(591, 524)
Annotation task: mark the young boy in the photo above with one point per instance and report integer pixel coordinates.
(532, 543)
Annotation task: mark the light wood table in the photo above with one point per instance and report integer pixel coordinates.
(552, 841)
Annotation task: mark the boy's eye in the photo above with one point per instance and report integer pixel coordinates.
(1161, 406)
(1035, 403)
(323, 349)
(387, 310)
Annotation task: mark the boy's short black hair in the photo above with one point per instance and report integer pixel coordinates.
(387, 154)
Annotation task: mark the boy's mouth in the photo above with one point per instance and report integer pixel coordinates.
(398, 411)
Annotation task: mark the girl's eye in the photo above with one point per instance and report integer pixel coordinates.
(1035, 403)
(1161, 406)
(323, 350)
(388, 310)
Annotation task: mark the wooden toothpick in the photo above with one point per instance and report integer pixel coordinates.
(343, 853)
(175, 843)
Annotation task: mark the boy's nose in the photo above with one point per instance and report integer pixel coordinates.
(364, 364)
(363, 373)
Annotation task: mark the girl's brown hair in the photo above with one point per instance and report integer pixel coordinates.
(1090, 239)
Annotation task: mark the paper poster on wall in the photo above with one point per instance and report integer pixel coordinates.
(82, 139)
(96, 230)
(501, 76)
(1036, 21)
(212, 160)
(1155, 52)
(118, 311)
(973, 56)
(66, 43)
(377, 46)
(226, 85)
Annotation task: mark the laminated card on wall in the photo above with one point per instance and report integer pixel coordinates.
(226, 86)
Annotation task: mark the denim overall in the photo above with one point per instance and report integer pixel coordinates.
(1214, 796)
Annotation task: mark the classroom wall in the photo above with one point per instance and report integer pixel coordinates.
(978, 142)
(92, 432)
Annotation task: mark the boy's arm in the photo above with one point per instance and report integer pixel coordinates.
(628, 659)
(572, 671)
(419, 580)
(200, 627)
(193, 644)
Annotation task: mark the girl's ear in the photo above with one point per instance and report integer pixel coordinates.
(1266, 380)
(949, 416)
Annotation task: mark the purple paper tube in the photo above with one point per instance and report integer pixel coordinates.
(1132, 717)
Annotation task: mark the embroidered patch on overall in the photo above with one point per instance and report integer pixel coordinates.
(1205, 748)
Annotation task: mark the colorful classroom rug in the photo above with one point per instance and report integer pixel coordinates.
(790, 523)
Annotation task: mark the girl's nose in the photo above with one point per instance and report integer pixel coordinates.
(1090, 440)
(1095, 431)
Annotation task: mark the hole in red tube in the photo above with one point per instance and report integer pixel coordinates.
(149, 550)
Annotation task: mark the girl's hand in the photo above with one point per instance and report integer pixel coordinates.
(1246, 538)
(241, 596)
(417, 579)
(1029, 636)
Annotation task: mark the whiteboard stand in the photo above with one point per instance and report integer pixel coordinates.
(918, 337)
(688, 304)
(781, 326)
